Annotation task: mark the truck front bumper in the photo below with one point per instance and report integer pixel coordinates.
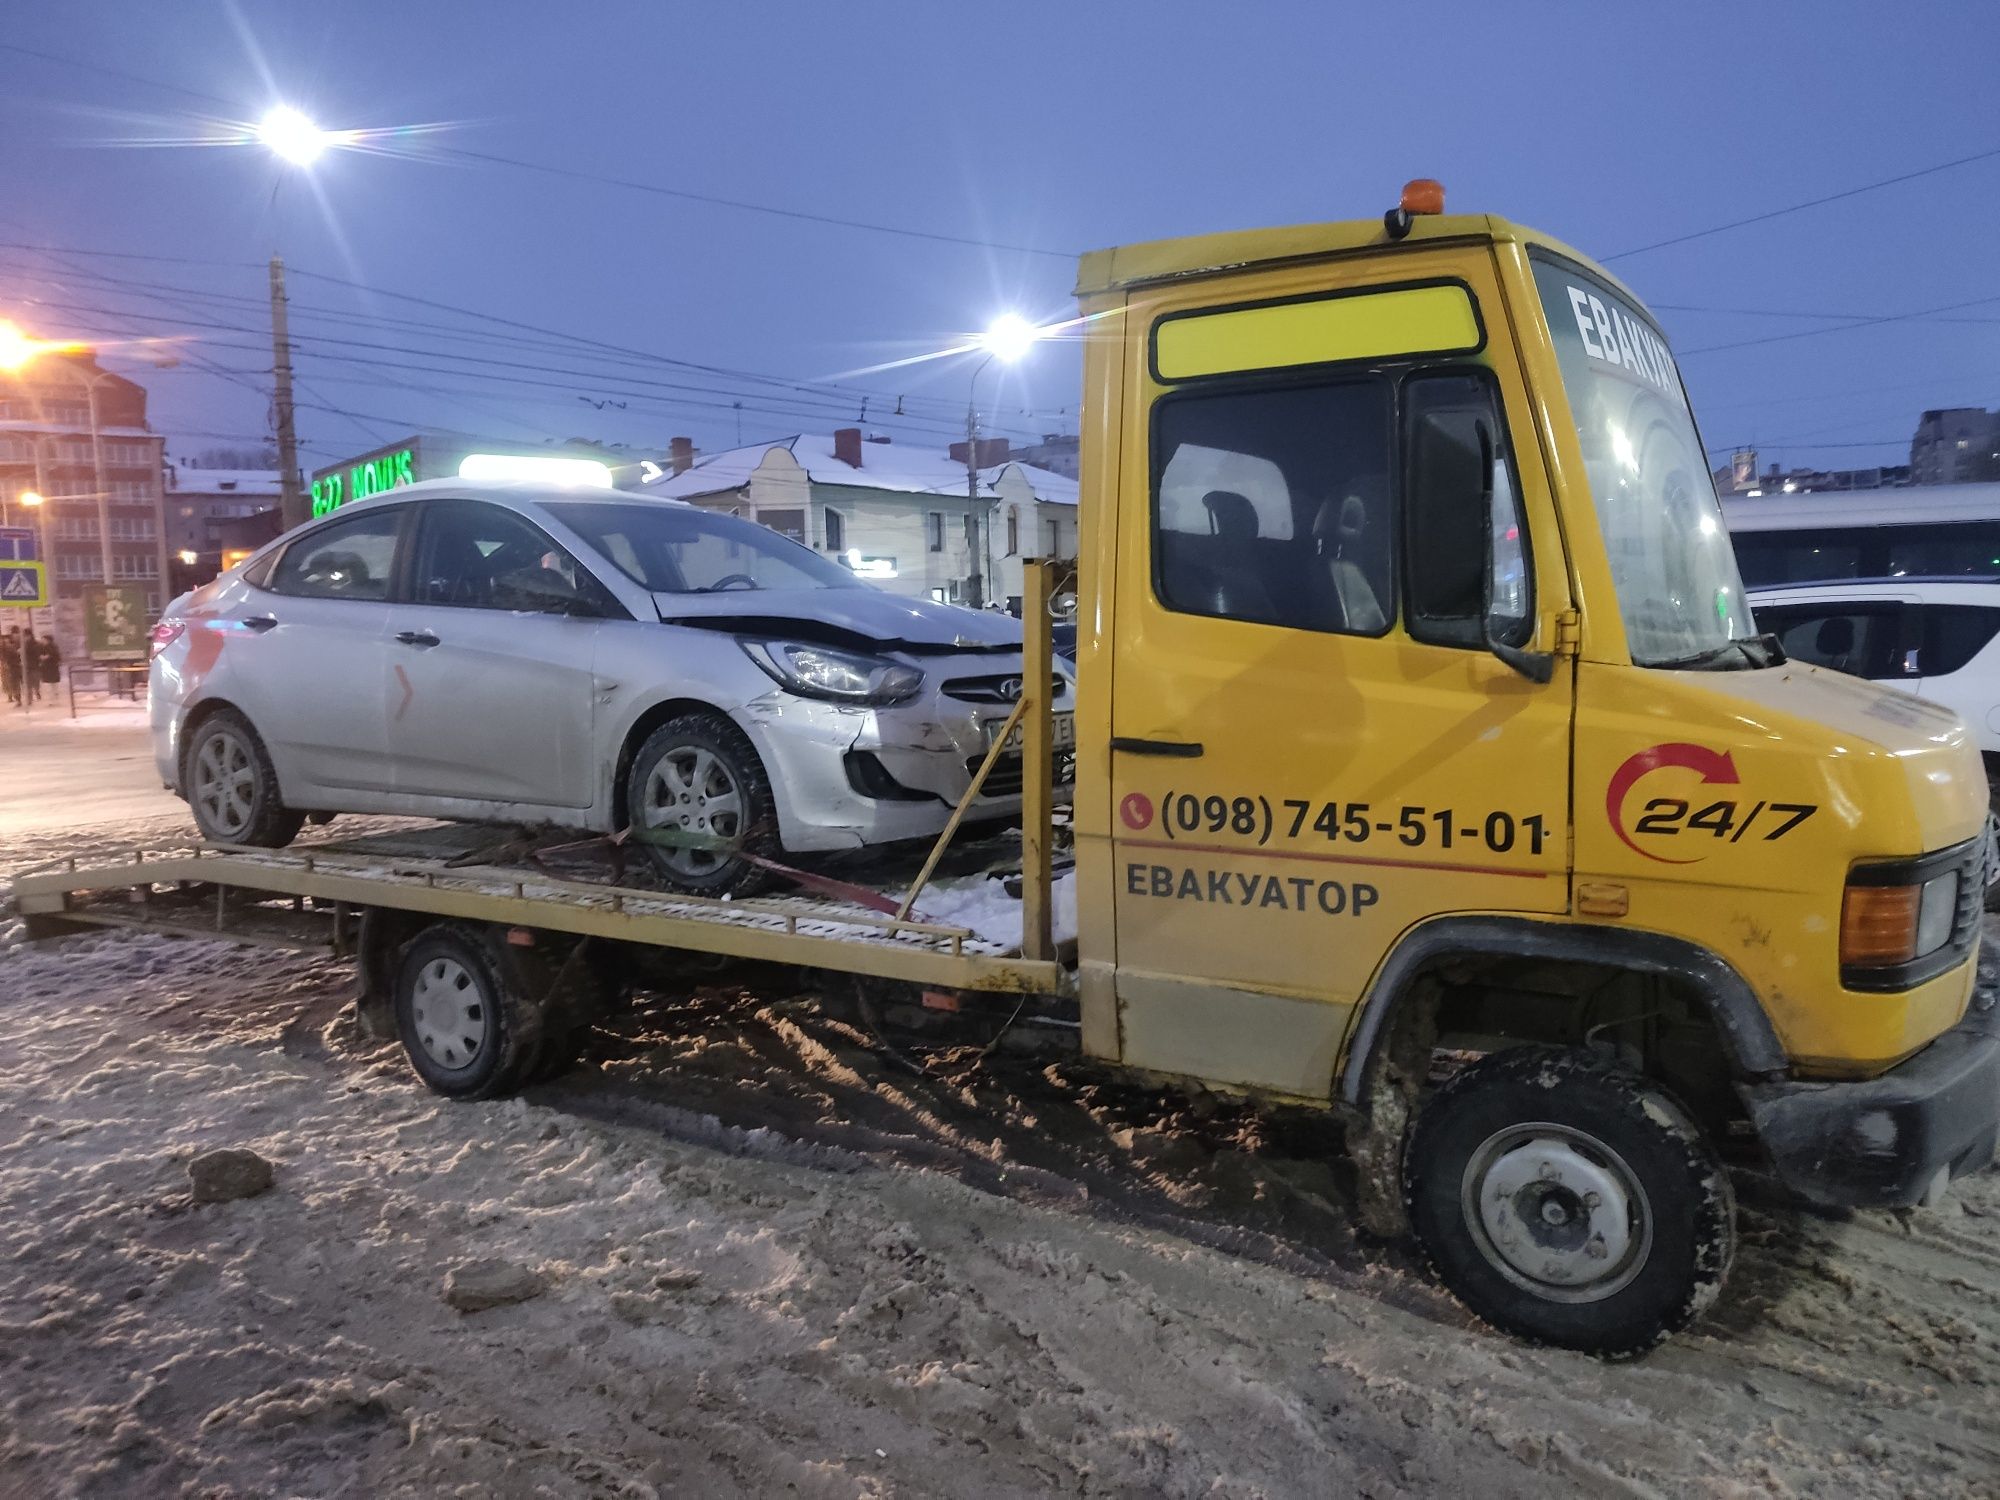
(1897, 1139)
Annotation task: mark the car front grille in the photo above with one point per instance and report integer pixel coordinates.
(998, 687)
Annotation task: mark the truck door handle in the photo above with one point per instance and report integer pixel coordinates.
(1177, 749)
(416, 638)
(261, 623)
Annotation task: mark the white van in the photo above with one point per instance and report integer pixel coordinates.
(1922, 531)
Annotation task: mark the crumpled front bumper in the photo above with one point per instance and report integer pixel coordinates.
(1895, 1140)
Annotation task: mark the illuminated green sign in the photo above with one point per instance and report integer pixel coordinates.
(367, 476)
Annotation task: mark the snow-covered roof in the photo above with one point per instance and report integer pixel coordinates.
(223, 481)
(884, 466)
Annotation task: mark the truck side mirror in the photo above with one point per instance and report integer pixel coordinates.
(1505, 573)
(1467, 586)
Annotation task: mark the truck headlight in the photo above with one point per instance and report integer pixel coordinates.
(844, 676)
(1885, 925)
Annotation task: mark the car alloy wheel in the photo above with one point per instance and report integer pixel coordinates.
(693, 794)
(225, 783)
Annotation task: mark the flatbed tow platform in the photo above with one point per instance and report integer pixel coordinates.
(312, 896)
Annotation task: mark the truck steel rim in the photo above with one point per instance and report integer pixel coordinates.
(225, 783)
(692, 794)
(1557, 1212)
(449, 1010)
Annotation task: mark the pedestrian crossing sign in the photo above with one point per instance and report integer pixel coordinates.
(24, 585)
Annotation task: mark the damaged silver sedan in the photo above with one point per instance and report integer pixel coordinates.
(585, 659)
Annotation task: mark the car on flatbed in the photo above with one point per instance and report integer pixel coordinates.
(584, 658)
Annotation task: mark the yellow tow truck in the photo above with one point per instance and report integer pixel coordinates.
(1429, 768)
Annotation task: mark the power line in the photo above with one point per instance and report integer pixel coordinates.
(1809, 333)
(756, 208)
(1779, 213)
(577, 173)
(810, 400)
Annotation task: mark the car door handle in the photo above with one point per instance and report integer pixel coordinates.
(261, 623)
(416, 638)
(1178, 749)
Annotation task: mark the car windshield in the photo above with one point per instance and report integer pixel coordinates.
(1678, 588)
(678, 549)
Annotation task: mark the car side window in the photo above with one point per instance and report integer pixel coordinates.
(1272, 505)
(1953, 634)
(1863, 640)
(479, 556)
(350, 559)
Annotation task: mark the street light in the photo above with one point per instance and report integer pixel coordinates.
(1006, 339)
(287, 133)
(17, 351)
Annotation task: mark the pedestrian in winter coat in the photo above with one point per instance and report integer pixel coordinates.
(28, 662)
(10, 664)
(48, 663)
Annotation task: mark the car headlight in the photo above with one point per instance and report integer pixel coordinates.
(844, 676)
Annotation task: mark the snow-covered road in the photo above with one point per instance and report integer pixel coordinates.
(771, 1260)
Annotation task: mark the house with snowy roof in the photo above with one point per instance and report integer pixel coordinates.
(898, 515)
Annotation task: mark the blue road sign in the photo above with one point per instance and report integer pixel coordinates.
(25, 585)
(17, 544)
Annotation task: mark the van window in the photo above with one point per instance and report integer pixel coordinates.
(1273, 505)
(1930, 549)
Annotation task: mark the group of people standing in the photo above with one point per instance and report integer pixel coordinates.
(28, 662)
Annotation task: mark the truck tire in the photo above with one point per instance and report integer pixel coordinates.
(1570, 1201)
(469, 1033)
(232, 787)
(698, 776)
(573, 994)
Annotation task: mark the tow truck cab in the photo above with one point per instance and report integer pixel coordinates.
(1421, 710)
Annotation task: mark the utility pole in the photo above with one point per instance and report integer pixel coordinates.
(291, 494)
(972, 494)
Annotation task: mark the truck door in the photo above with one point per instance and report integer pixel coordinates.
(1315, 746)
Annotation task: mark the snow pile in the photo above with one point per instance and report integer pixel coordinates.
(981, 904)
(1025, 1279)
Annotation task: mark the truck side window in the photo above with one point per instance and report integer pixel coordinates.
(1465, 539)
(1272, 505)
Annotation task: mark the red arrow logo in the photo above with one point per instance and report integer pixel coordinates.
(410, 692)
(1711, 765)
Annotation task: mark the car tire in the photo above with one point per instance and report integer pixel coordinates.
(698, 777)
(231, 786)
(1570, 1201)
(468, 1032)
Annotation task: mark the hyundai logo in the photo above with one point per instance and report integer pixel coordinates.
(1009, 689)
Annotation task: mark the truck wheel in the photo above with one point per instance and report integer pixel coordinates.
(697, 780)
(469, 1034)
(232, 787)
(1570, 1201)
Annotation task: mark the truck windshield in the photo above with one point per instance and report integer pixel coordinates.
(1678, 589)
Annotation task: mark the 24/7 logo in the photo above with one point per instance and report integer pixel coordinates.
(1724, 820)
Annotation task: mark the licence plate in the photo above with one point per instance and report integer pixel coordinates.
(1062, 732)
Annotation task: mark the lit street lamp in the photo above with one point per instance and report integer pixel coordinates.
(291, 136)
(17, 351)
(1007, 339)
